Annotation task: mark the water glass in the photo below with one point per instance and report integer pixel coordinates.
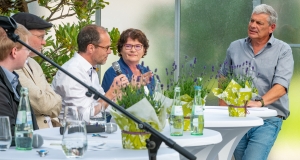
(98, 119)
(5, 133)
(74, 141)
(71, 113)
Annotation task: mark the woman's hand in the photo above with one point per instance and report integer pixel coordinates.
(146, 77)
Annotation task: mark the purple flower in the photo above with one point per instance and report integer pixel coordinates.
(195, 60)
(161, 86)
(155, 70)
(185, 57)
(138, 79)
(213, 68)
(142, 63)
(157, 77)
(148, 68)
(138, 66)
(173, 63)
(150, 78)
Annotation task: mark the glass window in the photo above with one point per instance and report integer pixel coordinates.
(207, 29)
(155, 18)
(288, 26)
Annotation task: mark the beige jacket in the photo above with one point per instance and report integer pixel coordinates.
(43, 99)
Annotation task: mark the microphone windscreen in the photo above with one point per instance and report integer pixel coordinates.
(111, 127)
(116, 67)
(37, 141)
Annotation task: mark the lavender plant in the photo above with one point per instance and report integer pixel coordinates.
(134, 92)
(190, 77)
(240, 73)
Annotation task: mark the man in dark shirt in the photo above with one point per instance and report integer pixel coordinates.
(12, 56)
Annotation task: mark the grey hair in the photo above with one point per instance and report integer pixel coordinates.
(266, 9)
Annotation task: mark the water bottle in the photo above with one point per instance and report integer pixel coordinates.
(176, 116)
(24, 127)
(197, 118)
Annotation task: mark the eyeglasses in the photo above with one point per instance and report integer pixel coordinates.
(137, 46)
(106, 48)
(41, 37)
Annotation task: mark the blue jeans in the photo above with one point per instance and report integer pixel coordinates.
(258, 141)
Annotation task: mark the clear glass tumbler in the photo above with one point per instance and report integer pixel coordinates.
(5, 133)
(74, 141)
(98, 119)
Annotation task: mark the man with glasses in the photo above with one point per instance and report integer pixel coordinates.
(12, 56)
(45, 102)
(93, 49)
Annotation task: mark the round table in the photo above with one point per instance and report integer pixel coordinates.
(259, 112)
(111, 147)
(231, 128)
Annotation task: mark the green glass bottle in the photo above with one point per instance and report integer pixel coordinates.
(197, 118)
(24, 127)
(176, 116)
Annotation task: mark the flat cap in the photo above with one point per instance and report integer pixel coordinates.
(31, 21)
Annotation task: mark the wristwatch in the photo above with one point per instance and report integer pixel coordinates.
(258, 98)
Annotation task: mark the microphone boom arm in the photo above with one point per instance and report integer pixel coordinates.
(142, 125)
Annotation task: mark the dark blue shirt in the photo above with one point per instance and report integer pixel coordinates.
(110, 74)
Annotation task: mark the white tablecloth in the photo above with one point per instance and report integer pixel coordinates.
(259, 112)
(112, 148)
(231, 128)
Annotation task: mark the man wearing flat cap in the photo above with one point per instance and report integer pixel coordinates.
(44, 101)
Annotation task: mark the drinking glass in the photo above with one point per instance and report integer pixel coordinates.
(98, 119)
(74, 141)
(5, 133)
(71, 113)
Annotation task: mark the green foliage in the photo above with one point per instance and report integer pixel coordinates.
(131, 94)
(114, 37)
(190, 77)
(63, 46)
(242, 73)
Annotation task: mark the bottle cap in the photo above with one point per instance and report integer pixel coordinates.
(197, 87)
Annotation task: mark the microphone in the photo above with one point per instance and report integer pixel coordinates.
(116, 67)
(37, 141)
(107, 128)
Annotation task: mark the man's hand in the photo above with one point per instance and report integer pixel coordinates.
(115, 88)
(119, 82)
(254, 104)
